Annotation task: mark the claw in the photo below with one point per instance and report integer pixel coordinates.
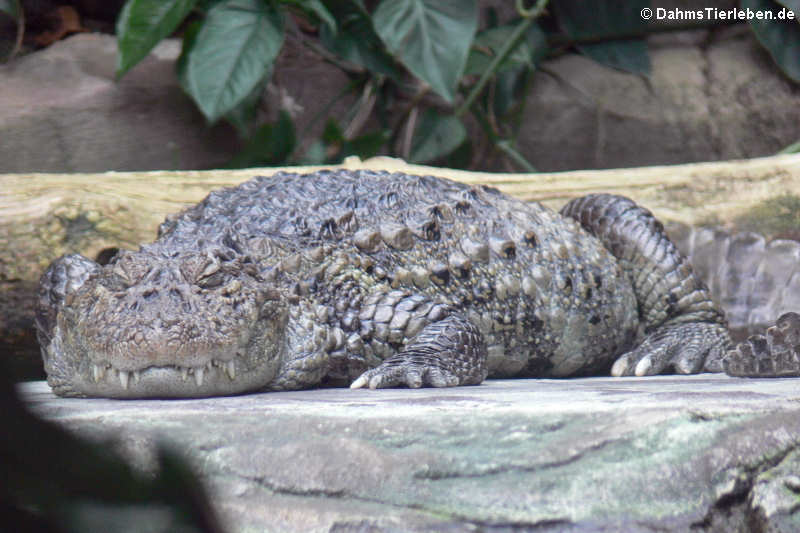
(359, 383)
(230, 369)
(644, 366)
(620, 366)
(123, 379)
(99, 372)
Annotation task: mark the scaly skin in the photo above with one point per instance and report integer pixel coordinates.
(378, 280)
(773, 355)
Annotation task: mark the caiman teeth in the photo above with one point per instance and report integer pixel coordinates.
(123, 378)
(199, 373)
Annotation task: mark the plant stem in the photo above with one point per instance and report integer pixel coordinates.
(504, 145)
(529, 17)
(511, 152)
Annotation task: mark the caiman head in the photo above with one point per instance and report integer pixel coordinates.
(153, 325)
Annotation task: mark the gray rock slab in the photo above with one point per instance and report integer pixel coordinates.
(665, 453)
(708, 97)
(61, 110)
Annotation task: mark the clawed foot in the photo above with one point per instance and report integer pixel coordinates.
(446, 353)
(686, 348)
(398, 373)
(775, 355)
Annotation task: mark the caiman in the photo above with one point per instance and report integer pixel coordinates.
(379, 279)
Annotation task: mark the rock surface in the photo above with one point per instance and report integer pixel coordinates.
(711, 96)
(61, 110)
(664, 453)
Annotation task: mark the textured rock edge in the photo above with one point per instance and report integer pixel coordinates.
(707, 453)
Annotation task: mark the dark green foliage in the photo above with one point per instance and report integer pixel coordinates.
(781, 37)
(436, 135)
(142, 24)
(10, 7)
(232, 53)
(528, 52)
(605, 19)
(335, 146)
(430, 37)
(271, 144)
(355, 39)
(406, 51)
(11, 10)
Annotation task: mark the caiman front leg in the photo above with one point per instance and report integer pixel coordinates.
(447, 351)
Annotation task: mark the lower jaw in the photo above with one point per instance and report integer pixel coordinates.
(219, 379)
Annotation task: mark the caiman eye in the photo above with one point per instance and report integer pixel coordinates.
(128, 269)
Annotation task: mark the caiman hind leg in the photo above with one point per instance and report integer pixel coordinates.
(684, 329)
(448, 350)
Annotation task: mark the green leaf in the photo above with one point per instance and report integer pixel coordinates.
(189, 38)
(460, 157)
(508, 90)
(315, 155)
(232, 53)
(332, 133)
(629, 55)
(271, 145)
(337, 147)
(356, 41)
(529, 51)
(203, 6)
(367, 145)
(430, 37)
(243, 116)
(142, 24)
(605, 19)
(319, 9)
(780, 37)
(10, 7)
(435, 136)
